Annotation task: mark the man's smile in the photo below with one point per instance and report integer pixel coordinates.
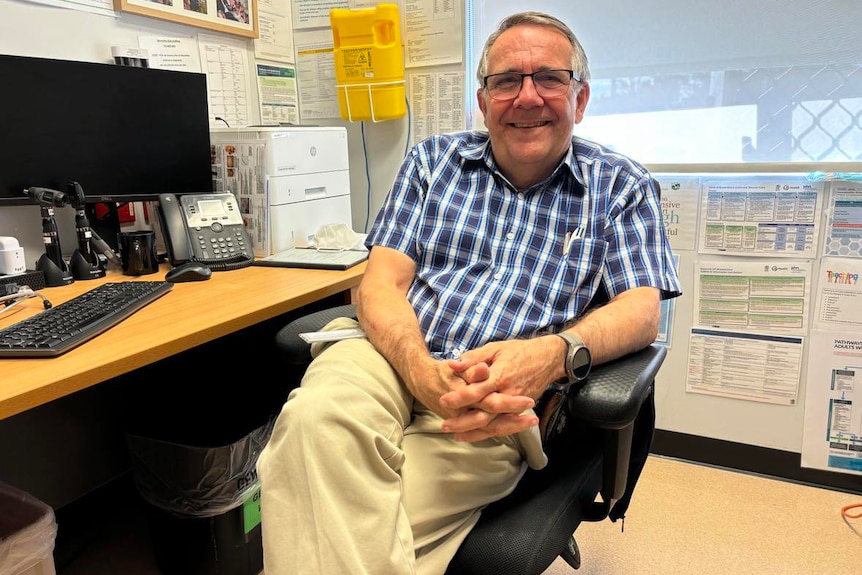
(529, 124)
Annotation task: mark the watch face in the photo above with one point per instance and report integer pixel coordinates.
(581, 363)
(578, 358)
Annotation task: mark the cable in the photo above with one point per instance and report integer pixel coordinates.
(9, 306)
(845, 511)
(103, 247)
(20, 294)
(367, 179)
(409, 126)
(367, 171)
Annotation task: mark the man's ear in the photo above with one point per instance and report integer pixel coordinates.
(581, 102)
(480, 97)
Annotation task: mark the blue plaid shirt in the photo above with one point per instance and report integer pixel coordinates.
(492, 262)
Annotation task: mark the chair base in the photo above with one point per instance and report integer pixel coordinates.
(571, 554)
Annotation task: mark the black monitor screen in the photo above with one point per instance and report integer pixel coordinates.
(123, 133)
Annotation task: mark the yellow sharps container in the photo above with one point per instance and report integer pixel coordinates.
(369, 65)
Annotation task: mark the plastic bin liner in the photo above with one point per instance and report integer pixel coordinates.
(28, 529)
(191, 481)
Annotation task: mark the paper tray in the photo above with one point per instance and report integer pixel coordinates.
(313, 259)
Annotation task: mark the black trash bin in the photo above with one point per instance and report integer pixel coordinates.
(203, 506)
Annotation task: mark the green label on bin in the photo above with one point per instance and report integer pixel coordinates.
(251, 510)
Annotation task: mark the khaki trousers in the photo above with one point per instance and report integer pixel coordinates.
(358, 478)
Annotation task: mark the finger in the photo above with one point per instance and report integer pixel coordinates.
(470, 371)
(505, 403)
(467, 395)
(500, 426)
(497, 404)
(469, 420)
(475, 374)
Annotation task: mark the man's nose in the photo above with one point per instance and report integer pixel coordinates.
(528, 90)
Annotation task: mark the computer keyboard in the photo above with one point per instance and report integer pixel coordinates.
(63, 327)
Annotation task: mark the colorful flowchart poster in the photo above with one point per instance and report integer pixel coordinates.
(832, 434)
(761, 216)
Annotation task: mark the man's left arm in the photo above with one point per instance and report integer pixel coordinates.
(639, 269)
(526, 367)
(625, 324)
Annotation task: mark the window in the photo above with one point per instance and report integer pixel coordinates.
(682, 83)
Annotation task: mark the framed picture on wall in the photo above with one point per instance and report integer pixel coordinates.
(230, 16)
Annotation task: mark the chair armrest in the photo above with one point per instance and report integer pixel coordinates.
(295, 350)
(611, 399)
(612, 395)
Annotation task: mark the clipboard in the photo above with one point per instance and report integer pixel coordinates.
(311, 258)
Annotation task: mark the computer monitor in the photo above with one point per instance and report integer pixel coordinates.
(124, 133)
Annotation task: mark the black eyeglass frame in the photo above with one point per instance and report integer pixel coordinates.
(572, 78)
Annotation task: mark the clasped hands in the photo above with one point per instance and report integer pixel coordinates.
(486, 392)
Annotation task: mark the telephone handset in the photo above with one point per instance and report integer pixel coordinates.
(206, 228)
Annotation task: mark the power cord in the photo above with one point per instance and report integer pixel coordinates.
(367, 179)
(845, 511)
(365, 156)
(12, 294)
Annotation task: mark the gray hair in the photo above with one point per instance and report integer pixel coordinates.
(580, 64)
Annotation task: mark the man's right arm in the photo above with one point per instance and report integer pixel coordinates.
(390, 324)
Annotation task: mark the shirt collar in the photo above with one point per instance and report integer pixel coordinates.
(478, 149)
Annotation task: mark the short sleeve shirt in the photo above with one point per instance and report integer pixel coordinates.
(496, 263)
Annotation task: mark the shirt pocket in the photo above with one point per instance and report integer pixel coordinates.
(578, 271)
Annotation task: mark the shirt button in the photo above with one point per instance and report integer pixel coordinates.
(510, 236)
(520, 196)
(498, 276)
(479, 309)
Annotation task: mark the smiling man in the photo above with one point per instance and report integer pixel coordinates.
(484, 258)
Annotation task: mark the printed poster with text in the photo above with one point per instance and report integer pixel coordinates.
(839, 295)
(760, 216)
(844, 229)
(832, 435)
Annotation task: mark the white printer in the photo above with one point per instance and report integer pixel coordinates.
(289, 181)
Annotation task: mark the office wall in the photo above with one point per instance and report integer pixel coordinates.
(726, 418)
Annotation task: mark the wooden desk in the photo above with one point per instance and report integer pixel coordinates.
(190, 314)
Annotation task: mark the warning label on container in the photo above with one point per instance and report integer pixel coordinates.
(357, 63)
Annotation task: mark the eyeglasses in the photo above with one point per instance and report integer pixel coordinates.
(507, 86)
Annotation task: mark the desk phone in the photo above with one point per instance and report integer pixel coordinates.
(205, 228)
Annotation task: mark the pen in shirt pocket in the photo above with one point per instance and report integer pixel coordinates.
(577, 234)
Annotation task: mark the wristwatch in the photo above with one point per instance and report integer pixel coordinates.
(578, 359)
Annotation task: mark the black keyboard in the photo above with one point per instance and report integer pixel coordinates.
(57, 330)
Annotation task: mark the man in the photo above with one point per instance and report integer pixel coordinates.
(486, 247)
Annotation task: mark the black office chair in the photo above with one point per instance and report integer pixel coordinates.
(523, 533)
